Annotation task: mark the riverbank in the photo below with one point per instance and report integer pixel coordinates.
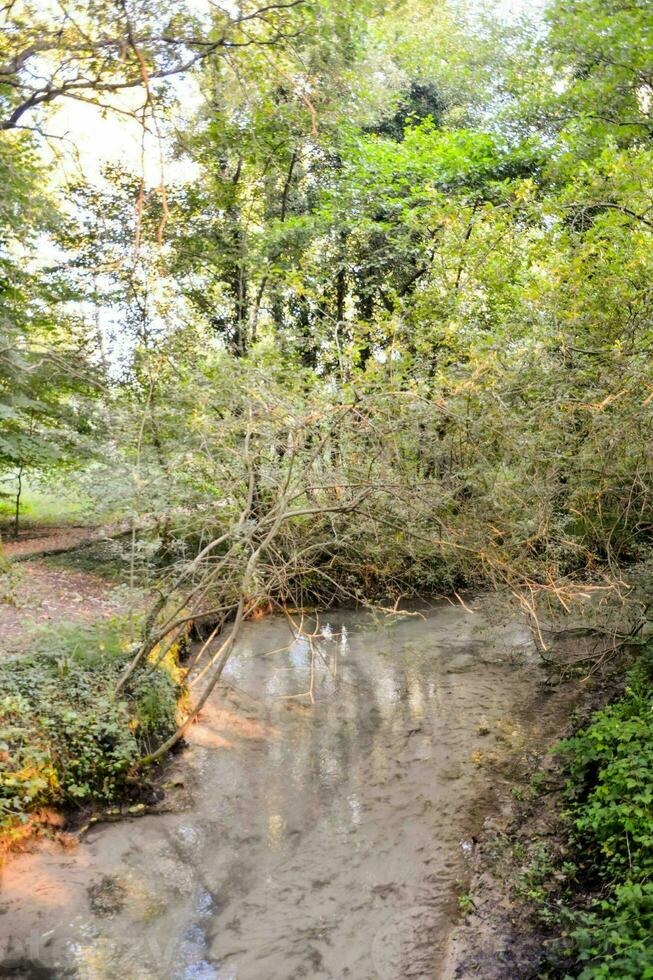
(67, 743)
(561, 884)
(67, 626)
(70, 746)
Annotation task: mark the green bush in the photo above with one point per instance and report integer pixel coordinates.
(64, 738)
(616, 940)
(610, 795)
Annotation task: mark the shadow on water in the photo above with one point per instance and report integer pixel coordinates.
(331, 792)
(23, 969)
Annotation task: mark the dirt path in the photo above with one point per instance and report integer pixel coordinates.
(36, 594)
(47, 540)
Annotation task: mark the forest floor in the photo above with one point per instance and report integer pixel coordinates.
(48, 585)
(47, 540)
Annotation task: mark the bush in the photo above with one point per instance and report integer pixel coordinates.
(610, 795)
(616, 940)
(64, 738)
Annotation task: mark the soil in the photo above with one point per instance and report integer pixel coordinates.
(502, 937)
(46, 540)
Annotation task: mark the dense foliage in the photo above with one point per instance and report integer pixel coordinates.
(609, 830)
(47, 386)
(64, 738)
(443, 217)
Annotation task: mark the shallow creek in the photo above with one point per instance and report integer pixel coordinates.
(325, 840)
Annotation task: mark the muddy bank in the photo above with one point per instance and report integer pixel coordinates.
(326, 840)
(513, 927)
(499, 936)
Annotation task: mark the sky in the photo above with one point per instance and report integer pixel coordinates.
(97, 138)
(510, 9)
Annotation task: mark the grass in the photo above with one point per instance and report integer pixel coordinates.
(42, 507)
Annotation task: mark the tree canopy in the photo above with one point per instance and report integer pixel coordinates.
(421, 207)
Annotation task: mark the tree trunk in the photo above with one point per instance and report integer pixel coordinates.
(19, 491)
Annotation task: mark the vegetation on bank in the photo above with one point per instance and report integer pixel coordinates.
(609, 825)
(579, 860)
(66, 739)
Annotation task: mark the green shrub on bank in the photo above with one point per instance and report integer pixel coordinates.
(611, 814)
(64, 738)
(616, 939)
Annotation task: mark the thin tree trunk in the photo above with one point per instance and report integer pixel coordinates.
(19, 492)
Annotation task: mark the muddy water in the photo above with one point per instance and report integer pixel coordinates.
(323, 840)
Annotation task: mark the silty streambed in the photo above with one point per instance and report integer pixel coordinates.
(323, 840)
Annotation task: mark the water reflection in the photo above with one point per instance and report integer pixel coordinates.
(328, 789)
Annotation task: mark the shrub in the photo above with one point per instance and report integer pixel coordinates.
(610, 795)
(616, 940)
(64, 738)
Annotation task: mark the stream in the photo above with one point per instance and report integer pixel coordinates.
(320, 840)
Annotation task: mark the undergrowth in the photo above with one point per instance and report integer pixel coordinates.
(603, 896)
(65, 740)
